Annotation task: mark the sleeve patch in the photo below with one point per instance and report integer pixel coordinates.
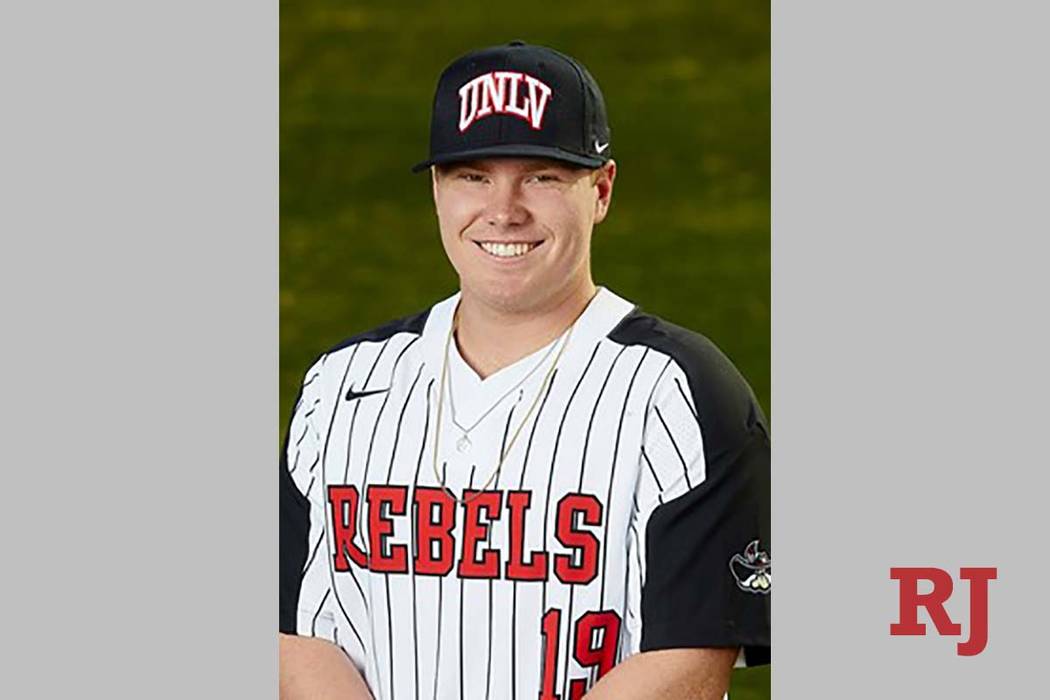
(753, 570)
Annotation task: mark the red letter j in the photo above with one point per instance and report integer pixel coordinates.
(978, 578)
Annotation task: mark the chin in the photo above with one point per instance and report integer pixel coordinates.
(509, 298)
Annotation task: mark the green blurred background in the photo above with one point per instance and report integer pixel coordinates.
(687, 86)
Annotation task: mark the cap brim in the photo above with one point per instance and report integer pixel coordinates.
(510, 151)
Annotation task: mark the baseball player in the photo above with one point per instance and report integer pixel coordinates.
(533, 489)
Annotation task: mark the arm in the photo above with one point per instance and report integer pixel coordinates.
(311, 666)
(314, 669)
(668, 674)
(701, 534)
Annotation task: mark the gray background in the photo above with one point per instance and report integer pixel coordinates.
(138, 285)
(909, 339)
(138, 207)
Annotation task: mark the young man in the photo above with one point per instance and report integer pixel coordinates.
(533, 489)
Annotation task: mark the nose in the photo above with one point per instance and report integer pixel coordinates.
(505, 207)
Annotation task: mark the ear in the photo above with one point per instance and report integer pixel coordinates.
(603, 181)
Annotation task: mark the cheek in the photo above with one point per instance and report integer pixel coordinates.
(453, 211)
(447, 230)
(453, 219)
(571, 224)
(454, 247)
(446, 218)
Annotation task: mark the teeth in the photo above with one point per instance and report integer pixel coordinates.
(507, 250)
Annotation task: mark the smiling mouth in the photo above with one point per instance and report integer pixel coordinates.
(507, 250)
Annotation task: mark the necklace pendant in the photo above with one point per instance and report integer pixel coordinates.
(463, 444)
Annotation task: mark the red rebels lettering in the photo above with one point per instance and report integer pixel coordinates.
(433, 519)
(380, 526)
(535, 569)
(431, 531)
(343, 501)
(584, 542)
(475, 531)
(498, 92)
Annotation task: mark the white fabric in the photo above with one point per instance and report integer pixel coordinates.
(437, 636)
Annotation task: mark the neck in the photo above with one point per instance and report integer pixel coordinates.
(490, 339)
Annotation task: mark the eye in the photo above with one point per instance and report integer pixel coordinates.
(546, 177)
(470, 177)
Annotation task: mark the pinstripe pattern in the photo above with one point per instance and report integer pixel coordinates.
(579, 489)
(617, 426)
(415, 540)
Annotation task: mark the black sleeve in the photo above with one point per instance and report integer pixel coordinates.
(294, 533)
(300, 454)
(708, 559)
(707, 570)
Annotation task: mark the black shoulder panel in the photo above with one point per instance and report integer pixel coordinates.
(408, 324)
(691, 597)
(725, 403)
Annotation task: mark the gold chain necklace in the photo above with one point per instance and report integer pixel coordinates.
(464, 443)
(528, 414)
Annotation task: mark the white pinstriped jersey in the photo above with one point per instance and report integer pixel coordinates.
(631, 513)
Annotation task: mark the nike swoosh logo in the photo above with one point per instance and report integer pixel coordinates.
(352, 395)
(599, 147)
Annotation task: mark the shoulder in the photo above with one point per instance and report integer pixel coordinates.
(413, 324)
(332, 364)
(721, 398)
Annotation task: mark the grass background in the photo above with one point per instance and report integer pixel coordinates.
(687, 86)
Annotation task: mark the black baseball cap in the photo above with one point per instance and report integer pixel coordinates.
(518, 100)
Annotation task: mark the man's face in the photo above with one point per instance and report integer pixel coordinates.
(518, 230)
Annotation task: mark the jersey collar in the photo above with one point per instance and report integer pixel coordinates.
(602, 314)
